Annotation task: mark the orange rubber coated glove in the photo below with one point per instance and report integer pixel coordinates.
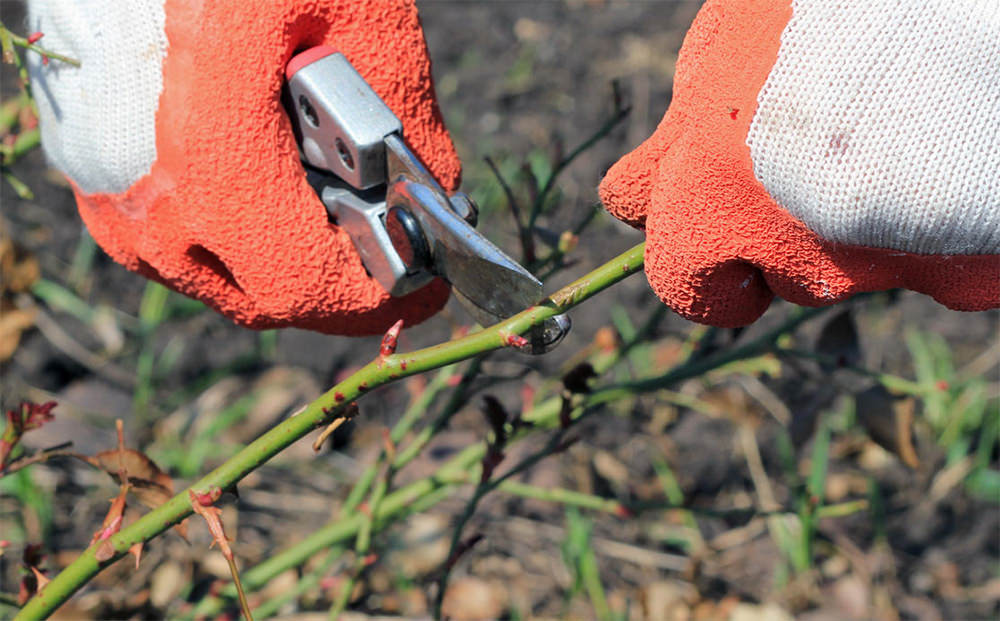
(815, 150)
(184, 163)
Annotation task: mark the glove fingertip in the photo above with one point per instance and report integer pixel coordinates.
(720, 292)
(624, 192)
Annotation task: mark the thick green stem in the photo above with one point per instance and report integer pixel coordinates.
(381, 371)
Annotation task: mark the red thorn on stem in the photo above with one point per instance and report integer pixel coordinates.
(207, 499)
(338, 397)
(369, 560)
(390, 340)
(34, 37)
(514, 340)
(201, 503)
(942, 385)
(45, 60)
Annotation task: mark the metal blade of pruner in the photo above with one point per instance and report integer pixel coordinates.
(403, 224)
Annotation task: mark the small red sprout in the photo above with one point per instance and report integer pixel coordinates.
(390, 340)
(25, 418)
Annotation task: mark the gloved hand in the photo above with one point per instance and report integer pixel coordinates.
(184, 163)
(815, 150)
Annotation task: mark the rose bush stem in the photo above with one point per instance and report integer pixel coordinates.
(382, 370)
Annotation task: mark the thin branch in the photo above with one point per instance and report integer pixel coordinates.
(523, 232)
(60, 450)
(619, 114)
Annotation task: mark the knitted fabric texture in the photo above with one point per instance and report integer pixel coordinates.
(98, 122)
(878, 126)
(720, 245)
(225, 213)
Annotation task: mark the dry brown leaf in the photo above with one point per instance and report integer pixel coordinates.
(13, 322)
(18, 267)
(153, 486)
(150, 485)
(889, 422)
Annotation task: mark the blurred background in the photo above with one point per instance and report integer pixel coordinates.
(882, 412)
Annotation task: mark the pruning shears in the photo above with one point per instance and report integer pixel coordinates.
(403, 224)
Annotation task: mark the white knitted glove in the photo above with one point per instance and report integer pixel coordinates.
(818, 148)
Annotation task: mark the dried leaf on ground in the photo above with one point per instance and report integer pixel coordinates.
(889, 422)
(13, 323)
(18, 267)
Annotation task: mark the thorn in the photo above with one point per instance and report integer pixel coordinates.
(40, 578)
(212, 515)
(136, 550)
(390, 339)
(207, 499)
(513, 340)
(34, 37)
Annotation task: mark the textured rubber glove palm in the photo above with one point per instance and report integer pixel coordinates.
(184, 163)
(815, 150)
